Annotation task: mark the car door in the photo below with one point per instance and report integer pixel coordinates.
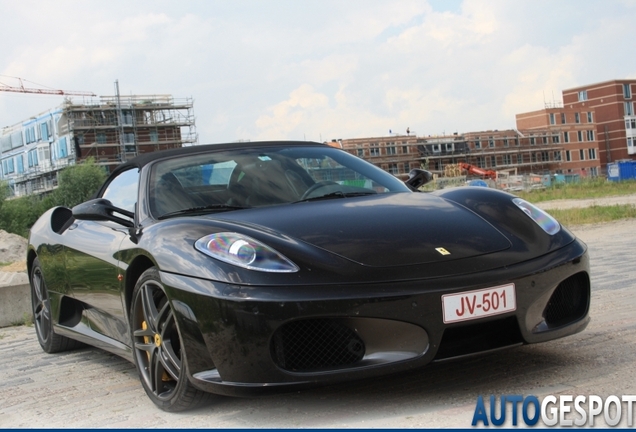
(92, 265)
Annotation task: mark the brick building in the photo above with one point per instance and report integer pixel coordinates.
(614, 116)
(572, 131)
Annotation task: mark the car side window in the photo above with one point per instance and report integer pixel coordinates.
(122, 190)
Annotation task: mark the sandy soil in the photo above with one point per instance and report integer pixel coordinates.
(582, 203)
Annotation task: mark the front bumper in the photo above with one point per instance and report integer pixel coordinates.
(240, 340)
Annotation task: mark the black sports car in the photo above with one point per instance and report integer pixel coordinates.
(237, 268)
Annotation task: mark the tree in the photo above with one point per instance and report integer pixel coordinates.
(4, 192)
(78, 183)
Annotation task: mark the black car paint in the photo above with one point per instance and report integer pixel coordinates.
(227, 314)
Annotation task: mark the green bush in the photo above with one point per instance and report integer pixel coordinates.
(76, 184)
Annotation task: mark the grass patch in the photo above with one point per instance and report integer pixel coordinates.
(594, 214)
(27, 320)
(585, 189)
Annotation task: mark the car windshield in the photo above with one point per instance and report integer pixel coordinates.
(255, 177)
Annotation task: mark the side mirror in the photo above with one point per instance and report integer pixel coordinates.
(101, 209)
(418, 178)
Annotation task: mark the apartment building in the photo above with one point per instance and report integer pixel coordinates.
(109, 129)
(538, 151)
(613, 108)
(572, 131)
(595, 125)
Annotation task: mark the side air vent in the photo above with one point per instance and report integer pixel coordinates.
(569, 301)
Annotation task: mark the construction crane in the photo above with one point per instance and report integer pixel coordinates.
(22, 89)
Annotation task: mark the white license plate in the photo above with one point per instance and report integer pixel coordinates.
(480, 303)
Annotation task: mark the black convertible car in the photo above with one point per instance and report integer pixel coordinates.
(236, 268)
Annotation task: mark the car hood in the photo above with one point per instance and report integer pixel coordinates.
(382, 230)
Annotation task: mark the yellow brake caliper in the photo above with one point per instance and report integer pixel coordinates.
(157, 340)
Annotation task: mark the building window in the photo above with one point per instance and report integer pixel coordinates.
(477, 143)
(557, 155)
(630, 124)
(505, 142)
(580, 135)
(62, 149)
(552, 119)
(568, 156)
(582, 95)
(534, 157)
(631, 148)
(629, 108)
(20, 162)
(491, 142)
(566, 137)
(544, 139)
(555, 139)
(33, 158)
(374, 151)
(481, 162)
(101, 138)
(577, 118)
(360, 152)
(627, 91)
(405, 149)
(517, 141)
(154, 135)
(507, 159)
(393, 168)
(407, 168)
(391, 151)
(591, 153)
(594, 171)
(493, 161)
(520, 158)
(532, 141)
(590, 118)
(590, 135)
(545, 156)
(582, 154)
(562, 118)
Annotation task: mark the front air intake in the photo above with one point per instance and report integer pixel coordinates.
(569, 302)
(316, 344)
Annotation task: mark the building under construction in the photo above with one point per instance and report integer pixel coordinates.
(109, 129)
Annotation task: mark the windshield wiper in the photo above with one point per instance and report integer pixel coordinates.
(201, 209)
(337, 194)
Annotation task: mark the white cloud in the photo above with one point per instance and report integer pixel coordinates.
(319, 70)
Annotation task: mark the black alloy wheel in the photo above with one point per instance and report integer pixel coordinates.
(50, 341)
(158, 348)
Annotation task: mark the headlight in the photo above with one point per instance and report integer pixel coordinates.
(544, 220)
(244, 251)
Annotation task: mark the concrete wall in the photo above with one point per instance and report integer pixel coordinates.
(15, 302)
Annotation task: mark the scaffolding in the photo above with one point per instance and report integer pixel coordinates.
(114, 129)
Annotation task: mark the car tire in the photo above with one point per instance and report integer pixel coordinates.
(50, 341)
(158, 347)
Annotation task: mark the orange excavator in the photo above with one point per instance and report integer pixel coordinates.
(472, 169)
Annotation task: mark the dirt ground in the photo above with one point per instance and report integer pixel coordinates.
(582, 203)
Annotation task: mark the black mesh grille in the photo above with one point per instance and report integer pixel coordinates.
(569, 301)
(316, 344)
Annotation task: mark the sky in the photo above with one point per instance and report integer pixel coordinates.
(318, 70)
